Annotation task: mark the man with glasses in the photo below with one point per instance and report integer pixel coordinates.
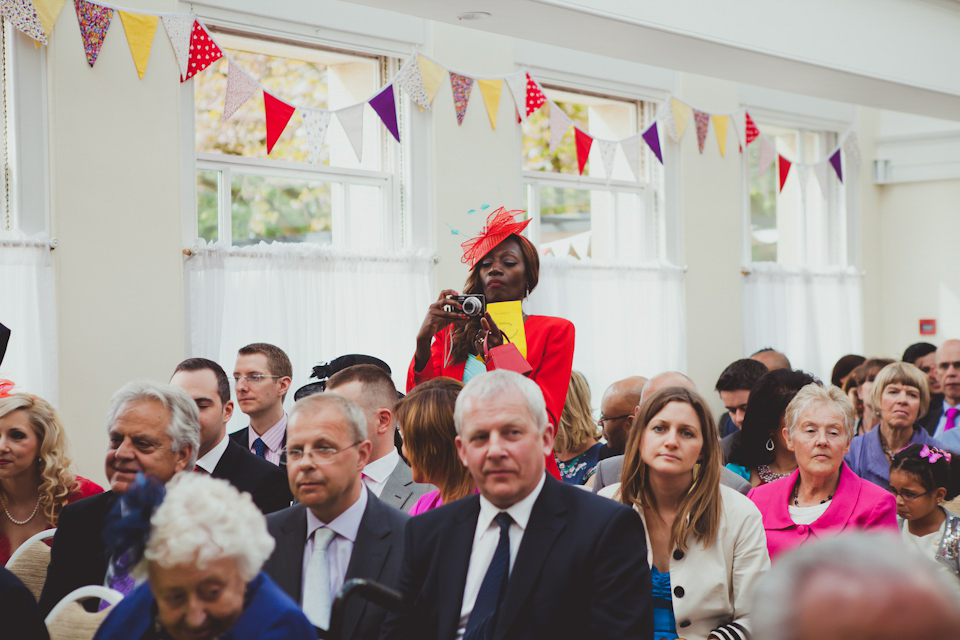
(262, 377)
(617, 408)
(339, 530)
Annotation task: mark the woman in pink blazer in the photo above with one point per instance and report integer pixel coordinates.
(823, 497)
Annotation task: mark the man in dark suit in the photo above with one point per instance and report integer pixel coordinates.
(221, 457)
(339, 530)
(262, 377)
(529, 558)
(923, 356)
(153, 429)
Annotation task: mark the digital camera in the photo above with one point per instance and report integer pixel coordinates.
(472, 304)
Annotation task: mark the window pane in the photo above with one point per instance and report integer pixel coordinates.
(207, 205)
(282, 209)
(365, 217)
(565, 221)
(763, 209)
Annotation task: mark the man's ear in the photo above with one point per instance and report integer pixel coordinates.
(285, 383)
(461, 450)
(384, 421)
(549, 433)
(227, 411)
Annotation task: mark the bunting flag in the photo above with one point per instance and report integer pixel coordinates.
(584, 142)
(431, 74)
(835, 163)
(740, 122)
(669, 122)
(94, 21)
(631, 150)
(179, 29)
(851, 147)
(784, 165)
(608, 150)
(240, 88)
(140, 30)
(48, 11)
(652, 137)
(278, 114)
(681, 113)
(720, 128)
(410, 82)
(316, 123)
(490, 89)
(535, 97)
(23, 15)
(385, 104)
(703, 124)
(461, 93)
(518, 89)
(820, 171)
(560, 123)
(751, 129)
(203, 52)
(351, 119)
(767, 154)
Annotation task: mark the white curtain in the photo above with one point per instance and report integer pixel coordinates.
(813, 316)
(629, 320)
(27, 307)
(314, 302)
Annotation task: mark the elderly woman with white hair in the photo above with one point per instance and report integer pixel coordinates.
(822, 496)
(206, 545)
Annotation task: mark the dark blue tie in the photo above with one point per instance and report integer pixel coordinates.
(260, 448)
(483, 618)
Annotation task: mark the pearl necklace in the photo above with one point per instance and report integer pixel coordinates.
(14, 520)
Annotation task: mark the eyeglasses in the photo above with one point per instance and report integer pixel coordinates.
(908, 496)
(253, 378)
(604, 418)
(317, 455)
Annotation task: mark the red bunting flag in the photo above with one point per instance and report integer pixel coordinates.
(784, 165)
(751, 129)
(584, 142)
(535, 97)
(203, 52)
(278, 114)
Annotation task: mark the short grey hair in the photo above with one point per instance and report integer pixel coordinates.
(864, 556)
(814, 395)
(184, 427)
(491, 385)
(204, 519)
(352, 413)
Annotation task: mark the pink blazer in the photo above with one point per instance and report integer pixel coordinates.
(857, 504)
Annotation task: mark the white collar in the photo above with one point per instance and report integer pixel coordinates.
(346, 524)
(211, 458)
(381, 468)
(519, 511)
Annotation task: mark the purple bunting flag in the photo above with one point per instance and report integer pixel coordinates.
(652, 137)
(835, 161)
(385, 105)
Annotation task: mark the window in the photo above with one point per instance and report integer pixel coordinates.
(245, 196)
(615, 218)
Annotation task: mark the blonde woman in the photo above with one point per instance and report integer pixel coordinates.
(35, 476)
(577, 446)
(705, 542)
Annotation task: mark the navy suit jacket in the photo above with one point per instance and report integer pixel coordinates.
(79, 555)
(580, 572)
(265, 482)
(376, 556)
(931, 418)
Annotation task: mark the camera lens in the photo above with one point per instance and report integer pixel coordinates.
(471, 306)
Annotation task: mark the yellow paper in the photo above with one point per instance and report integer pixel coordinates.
(48, 11)
(681, 113)
(509, 318)
(140, 30)
(490, 89)
(720, 126)
(432, 74)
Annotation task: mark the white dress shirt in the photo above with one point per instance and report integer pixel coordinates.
(272, 438)
(345, 526)
(485, 541)
(211, 458)
(375, 474)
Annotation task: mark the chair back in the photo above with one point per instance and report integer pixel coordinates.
(70, 621)
(29, 562)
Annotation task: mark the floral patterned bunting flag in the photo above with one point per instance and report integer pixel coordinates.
(461, 93)
(178, 30)
(23, 15)
(94, 21)
(410, 81)
(316, 122)
(608, 149)
(584, 142)
(559, 125)
(703, 124)
(240, 88)
(203, 52)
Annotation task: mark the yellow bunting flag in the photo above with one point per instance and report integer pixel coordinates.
(433, 75)
(509, 318)
(681, 113)
(490, 89)
(720, 126)
(48, 11)
(140, 30)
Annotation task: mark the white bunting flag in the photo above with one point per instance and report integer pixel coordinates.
(631, 149)
(821, 171)
(351, 119)
(518, 87)
(410, 81)
(851, 147)
(608, 149)
(315, 122)
(240, 87)
(179, 29)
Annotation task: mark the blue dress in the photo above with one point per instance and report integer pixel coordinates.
(580, 469)
(664, 624)
(268, 614)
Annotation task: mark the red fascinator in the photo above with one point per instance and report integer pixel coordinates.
(500, 224)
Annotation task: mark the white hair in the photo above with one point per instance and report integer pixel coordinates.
(204, 519)
(815, 395)
(492, 385)
(184, 427)
(350, 410)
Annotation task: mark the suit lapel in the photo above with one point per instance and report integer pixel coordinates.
(290, 543)
(369, 554)
(396, 490)
(453, 563)
(545, 525)
(227, 463)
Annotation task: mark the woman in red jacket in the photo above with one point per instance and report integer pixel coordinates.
(504, 266)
